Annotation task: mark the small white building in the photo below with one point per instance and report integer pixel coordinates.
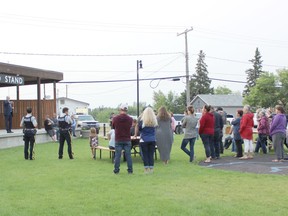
(74, 106)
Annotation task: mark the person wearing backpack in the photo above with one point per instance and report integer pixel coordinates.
(29, 125)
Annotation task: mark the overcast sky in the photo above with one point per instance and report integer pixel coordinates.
(102, 40)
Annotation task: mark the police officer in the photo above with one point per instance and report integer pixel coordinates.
(64, 122)
(29, 125)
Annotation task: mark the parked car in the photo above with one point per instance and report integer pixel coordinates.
(86, 122)
(229, 118)
(179, 118)
(198, 115)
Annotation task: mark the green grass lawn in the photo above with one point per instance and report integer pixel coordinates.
(48, 186)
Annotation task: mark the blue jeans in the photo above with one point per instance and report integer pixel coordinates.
(207, 142)
(190, 153)
(119, 147)
(73, 130)
(234, 147)
(148, 149)
(261, 142)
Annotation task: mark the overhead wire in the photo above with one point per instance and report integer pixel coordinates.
(144, 79)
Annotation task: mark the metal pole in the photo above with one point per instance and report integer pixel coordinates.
(39, 104)
(139, 66)
(138, 88)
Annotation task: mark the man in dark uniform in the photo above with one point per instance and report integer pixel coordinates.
(64, 122)
(29, 125)
(224, 119)
(8, 114)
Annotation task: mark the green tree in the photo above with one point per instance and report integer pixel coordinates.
(200, 82)
(159, 99)
(282, 86)
(222, 90)
(181, 102)
(253, 73)
(102, 114)
(170, 101)
(264, 93)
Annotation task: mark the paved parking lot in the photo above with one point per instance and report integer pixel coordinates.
(261, 164)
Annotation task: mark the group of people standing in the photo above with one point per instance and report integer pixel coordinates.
(151, 127)
(158, 129)
(211, 125)
(29, 125)
(274, 127)
(270, 126)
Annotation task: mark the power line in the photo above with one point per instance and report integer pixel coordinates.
(134, 80)
(125, 80)
(89, 23)
(238, 36)
(243, 62)
(89, 55)
(130, 54)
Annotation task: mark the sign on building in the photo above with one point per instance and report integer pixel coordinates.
(12, 80)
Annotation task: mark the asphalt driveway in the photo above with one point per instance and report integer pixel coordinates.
(261, 164)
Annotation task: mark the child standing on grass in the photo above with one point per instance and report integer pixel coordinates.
(111, 138)
(93, 141)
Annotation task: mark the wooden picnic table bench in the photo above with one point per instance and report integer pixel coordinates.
(135, 144)
(111, 151)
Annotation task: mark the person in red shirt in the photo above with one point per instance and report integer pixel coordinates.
(122, 124)
(206, 130)
(246, 132)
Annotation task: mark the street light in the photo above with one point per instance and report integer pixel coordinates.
(139, 66)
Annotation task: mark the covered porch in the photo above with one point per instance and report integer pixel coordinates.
(17, 76)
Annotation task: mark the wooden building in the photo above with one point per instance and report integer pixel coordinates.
(16, 75)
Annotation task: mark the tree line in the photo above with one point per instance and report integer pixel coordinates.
(263, 89)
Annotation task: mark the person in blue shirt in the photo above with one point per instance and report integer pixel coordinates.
(236, 134)
(147, 129)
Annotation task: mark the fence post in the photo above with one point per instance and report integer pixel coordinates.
(104, 129)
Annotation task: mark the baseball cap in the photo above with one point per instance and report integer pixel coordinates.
(123, 106)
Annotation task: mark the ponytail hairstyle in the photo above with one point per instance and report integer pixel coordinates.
(190, 109)
(207, 107)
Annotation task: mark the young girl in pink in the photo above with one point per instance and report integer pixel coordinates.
(93, 141)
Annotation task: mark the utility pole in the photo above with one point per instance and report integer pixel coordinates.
(187, 65)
